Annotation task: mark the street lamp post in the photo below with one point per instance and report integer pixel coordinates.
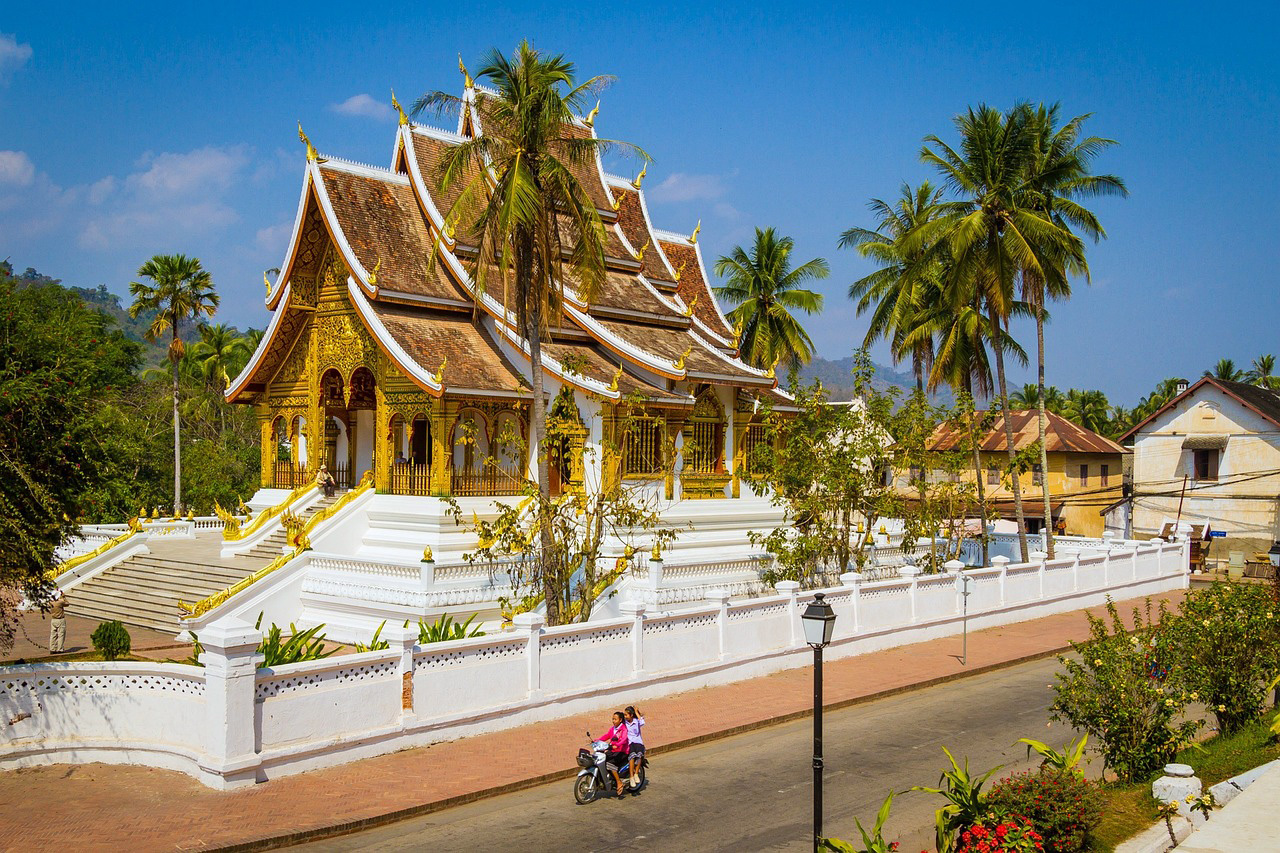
(819, 622)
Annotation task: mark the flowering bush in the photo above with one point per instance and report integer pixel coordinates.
(1007, 835)
(1118, 693)
(1062, 805)
(1226, 641)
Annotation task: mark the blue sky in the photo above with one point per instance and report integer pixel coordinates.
(172, 129)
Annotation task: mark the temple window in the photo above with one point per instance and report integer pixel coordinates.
(642, 446)
(704, 447)
(753, 443)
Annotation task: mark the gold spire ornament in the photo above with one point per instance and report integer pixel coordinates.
(613, 386)
(590, 120)
(693, 238)
(680, 363)
(266, 281)
(373, 273)
(467, 82)
(688, 311)
(680, 271)
(643, 249)
(427, 556)
(640, 177)
(656, 553)
(617, 202)
(404, 119)
(311, 149)
(439, 377)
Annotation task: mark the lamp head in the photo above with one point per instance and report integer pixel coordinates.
(819, 622)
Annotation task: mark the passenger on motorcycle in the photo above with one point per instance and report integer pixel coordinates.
(619, 747)
(635, 735)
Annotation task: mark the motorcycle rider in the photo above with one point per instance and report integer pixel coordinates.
(635, 735)
(619, 746)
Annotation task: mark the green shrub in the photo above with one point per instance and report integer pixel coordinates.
(873, 841)
(112, 640)
(445, 628)
(1062, 805)
(301, 645)
(1000, 835)
(1118, 694)
(375, 644)
(966, 803)
(1226, 641)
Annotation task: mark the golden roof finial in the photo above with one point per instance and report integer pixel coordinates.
(373, 273)
(266, 281)
(590, 120)
(439, 377)
(311, 149)
(688, 310)
(680, 363)
(643, 249)
(640, 177)
(466, 78)
(617, 202)
(680, 271)
(773, 370)
(693, 238)
(451, 229)
(613, 386)
(404, 119)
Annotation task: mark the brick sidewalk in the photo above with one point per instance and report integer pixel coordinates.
(97, 806)
(33, 639)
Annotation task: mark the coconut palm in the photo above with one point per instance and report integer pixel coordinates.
(897, 287)
(1058, 174)
(1088, 409)
(532, 223)
(1262, 373)
(992, 232)
(1226, 369)
(180, 290)
(221, 353)
(766, 291)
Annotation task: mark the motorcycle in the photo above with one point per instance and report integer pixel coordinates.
(595, 777)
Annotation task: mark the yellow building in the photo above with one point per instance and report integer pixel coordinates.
(1084, 477)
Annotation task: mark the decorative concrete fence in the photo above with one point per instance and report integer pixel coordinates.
(230, 723)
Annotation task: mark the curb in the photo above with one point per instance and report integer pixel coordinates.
(350, 827)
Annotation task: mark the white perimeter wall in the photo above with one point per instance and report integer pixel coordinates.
(228, 724)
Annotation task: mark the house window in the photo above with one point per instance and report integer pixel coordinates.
(1084, 475)
(1037, 475)
(993, 476)
(1206, 462)
(1106, 475)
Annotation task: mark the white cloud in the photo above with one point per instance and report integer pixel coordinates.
(12, 56)
(273, 237)
(364, 106)
(682, 186)
(16, 167)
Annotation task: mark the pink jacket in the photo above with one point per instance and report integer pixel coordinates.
(618, 740)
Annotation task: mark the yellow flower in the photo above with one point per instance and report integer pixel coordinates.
(1222, 707)
(1168, 703)
(1097, 661)
(1194, 697)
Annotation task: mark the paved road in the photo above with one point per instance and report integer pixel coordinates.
(754, 792)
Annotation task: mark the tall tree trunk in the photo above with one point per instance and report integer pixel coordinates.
(917, 368)
(551, 584)
(1008, 435)
(1044, 451)
(177, 445)
(979, 474)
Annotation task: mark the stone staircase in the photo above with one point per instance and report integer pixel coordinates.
(144, 590)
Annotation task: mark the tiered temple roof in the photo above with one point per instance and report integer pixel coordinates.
(654, 327)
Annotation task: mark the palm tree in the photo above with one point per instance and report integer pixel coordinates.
(1088, 409)
(992, 233)
(1057, 175)
(1226, 369)
(181, 290)
(897, 287)
(1262, 372)
(532, 223)
(1025, 397)
(766, 290)
(221, 353)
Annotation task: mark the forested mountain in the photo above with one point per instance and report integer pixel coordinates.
(837, 377)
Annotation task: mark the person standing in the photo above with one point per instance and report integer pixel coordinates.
(58, 623)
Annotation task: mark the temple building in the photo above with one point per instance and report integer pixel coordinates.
(383, 356)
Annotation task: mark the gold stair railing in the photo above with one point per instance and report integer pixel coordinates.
(299, 540)
(135, 527)
(233, 532)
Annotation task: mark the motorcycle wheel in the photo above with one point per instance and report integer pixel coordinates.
(643, 780)
(584, 789)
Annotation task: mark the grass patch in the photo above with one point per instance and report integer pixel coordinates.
(1130, 809)
(72, 657)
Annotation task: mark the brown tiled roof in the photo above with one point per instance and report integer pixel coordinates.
(692, 283)
(428, 151)
(593, 364)
(1261, 400)
(623, 292)
(1061, 436)
(671, 344)
(385, 229)
(588, 174)
(631, 218)
(430, 337)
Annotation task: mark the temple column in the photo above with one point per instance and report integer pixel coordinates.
(268, 453)
(382, 449)
(611, 439)
(442, 415)
(672, 447)
(740, 422)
